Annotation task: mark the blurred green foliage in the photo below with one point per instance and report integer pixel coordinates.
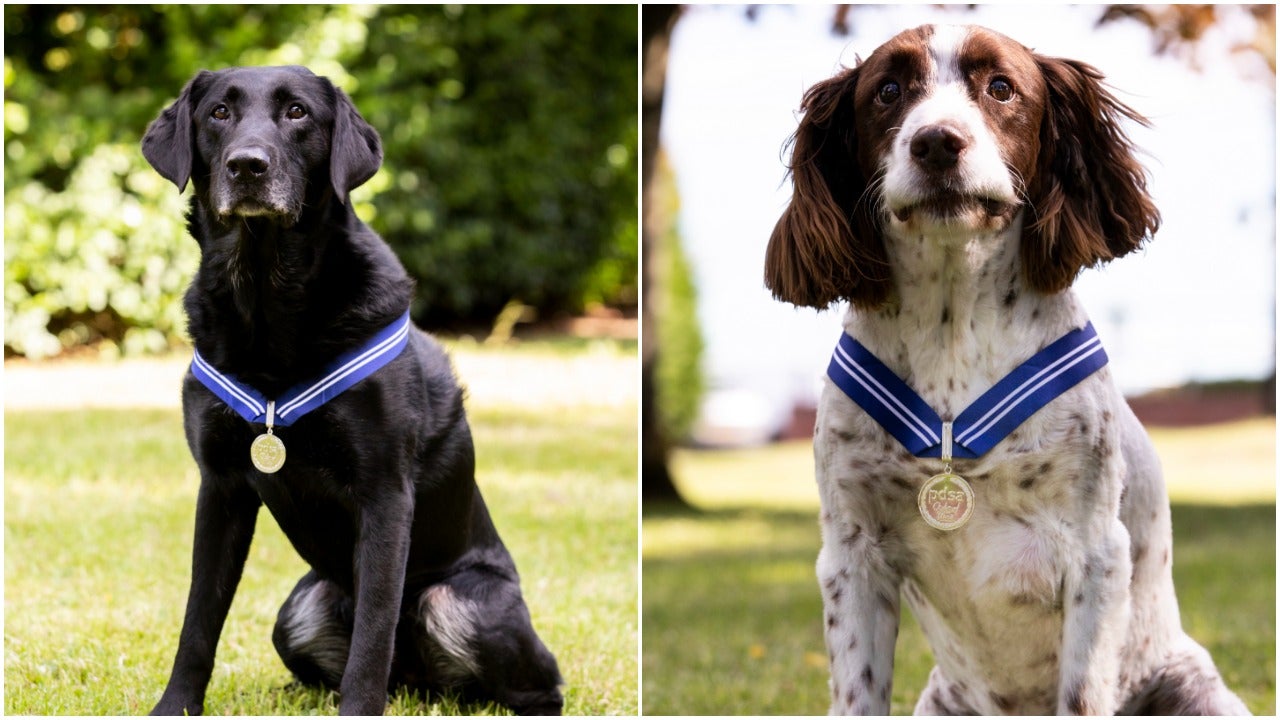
(510, 138)
(678, 377)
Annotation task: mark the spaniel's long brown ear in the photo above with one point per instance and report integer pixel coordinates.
(825, 247)
(1089, 199)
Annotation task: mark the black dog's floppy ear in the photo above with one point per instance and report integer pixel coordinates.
(355, 151)
(167, 143)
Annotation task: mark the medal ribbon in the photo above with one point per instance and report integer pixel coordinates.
(347, 370)
(998, 412)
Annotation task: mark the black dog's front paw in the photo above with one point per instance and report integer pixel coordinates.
(171, 705)
(536, 702)
(544, 709)
(363, 704)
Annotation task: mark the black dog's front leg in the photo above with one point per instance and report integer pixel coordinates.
(382, 550)
(224, 530)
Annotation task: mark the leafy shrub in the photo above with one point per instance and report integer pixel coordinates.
(510, 137)
(678, 377)
(97, 260)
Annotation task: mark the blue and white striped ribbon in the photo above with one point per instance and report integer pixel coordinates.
(344, 372)
(905, 415)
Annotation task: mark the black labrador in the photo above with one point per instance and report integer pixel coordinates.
(409, 582)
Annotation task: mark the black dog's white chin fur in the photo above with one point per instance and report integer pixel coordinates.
(252, 208)
(273, 199)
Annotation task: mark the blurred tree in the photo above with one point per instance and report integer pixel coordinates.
(512, 131)
(656, 483)
(510, 168)
(1177, 29)
(678, 376)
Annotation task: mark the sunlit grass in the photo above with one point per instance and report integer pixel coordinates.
(1219, 464)
(99, 509)
(732, 614)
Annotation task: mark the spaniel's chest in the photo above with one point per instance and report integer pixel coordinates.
(1024, 497)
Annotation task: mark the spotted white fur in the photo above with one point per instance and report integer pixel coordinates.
(1057, 597)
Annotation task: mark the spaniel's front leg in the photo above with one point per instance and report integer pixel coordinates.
(860, 595)
(1096, 601)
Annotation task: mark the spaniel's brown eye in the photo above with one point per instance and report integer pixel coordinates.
(1001, 90)
(221, 112)
(296, 112)
(889, 93)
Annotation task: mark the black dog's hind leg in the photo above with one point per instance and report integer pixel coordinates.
(224, 530)
(313, 631)
(474, 633)
(326, 637)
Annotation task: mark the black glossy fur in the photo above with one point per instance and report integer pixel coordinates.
(410, 583)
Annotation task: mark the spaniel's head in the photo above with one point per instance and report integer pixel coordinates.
(947, 130)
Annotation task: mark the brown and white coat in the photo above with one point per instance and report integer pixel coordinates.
(950, 188)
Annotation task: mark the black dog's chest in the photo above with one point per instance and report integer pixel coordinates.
(316, 513)
(311, 497)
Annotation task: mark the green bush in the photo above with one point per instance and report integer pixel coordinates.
(97, 260)
(678, 379)
(510, 137)
(511, 143)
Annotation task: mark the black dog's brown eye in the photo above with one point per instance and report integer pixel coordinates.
(296, 112)
(221, 113)
(1001, 90)
(889, 93)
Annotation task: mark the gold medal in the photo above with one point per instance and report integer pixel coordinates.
(267, 452)
(946, 501)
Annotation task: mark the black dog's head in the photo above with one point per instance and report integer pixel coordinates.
(261, 141)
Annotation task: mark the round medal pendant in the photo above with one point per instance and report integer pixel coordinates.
(267, 453)
(946, 501)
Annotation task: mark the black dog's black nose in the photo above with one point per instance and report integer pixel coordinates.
(248, 162)
(938, 147)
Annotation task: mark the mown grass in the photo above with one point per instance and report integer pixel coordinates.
(99, 509)
(732, 615)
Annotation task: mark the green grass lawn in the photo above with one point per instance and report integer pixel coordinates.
(732, 615)
(99, 507)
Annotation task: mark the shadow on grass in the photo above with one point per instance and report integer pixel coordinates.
(297, 698)
(732, 614)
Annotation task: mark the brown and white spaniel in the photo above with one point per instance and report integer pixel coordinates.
(950, 188)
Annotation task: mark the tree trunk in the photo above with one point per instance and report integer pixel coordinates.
(655, 475)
